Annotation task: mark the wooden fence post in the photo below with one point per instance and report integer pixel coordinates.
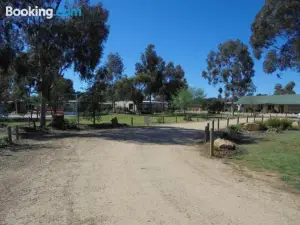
(9, 135)
(218, 123)
(132, 121)
(227, 121)
(17, 132)
(211, 152)
(213, 124)
(208, 126)
(247, 118)
(206, 134)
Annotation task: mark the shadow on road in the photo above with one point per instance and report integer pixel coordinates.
(146, 135)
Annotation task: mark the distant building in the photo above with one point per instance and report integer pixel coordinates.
(145, 107)
(270, 104)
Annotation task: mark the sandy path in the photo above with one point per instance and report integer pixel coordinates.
(125, 177)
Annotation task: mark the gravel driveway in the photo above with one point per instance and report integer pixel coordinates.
(131, 177)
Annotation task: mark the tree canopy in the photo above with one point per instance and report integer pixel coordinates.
(53, 45)
(187, 96)
(231, 66)
(287, 90)
(276, 30)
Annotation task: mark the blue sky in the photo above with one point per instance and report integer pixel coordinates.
(183, 32)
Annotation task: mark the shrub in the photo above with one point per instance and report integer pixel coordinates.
(286, 124)
(159, 120)
(273, 123)
(114, 121)
(234, 128)
(262, 125)
(187, 118)
(3, 142)
(70, 124)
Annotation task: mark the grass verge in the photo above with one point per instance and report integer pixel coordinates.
(278, 153)
(138, 120)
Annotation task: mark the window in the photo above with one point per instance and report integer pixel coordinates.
(294, 108)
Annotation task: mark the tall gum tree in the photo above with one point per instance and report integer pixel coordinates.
(276, 35)
(54, 45)
(232, 66)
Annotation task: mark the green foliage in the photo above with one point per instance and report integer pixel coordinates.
(159, 120)
(231, 66)
(277, 20)
(286, 124)
(70, 124)
(149, 72)
(57, 44)
(62, 90)
(287, 90)
(213, 105)
(262, 125)
(234, 128)
(187, 96)
(281, 124)
(3, 142)
(275, 152)
(273, 123)
(153, 77)
(187, 117)
(114, 121)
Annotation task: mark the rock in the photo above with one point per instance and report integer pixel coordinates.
(295, 124)
(251, 126)
(222, 144)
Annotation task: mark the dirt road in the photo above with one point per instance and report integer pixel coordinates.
(133, 177)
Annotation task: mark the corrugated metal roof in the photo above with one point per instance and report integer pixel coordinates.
(271, 99)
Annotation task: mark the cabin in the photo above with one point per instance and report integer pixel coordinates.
(270, 104)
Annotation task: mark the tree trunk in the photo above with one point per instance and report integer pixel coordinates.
(94, 116)
(16, 106)
(150, 104)
(43, 112)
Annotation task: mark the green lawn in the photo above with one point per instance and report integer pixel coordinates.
(138, 120)
(12, 123)
(277, 152)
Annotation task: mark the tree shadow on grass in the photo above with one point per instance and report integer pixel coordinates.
(243, 138)
(144, 135)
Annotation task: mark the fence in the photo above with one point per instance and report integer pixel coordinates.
(209, 131)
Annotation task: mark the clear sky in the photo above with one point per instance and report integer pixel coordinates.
(183, 32)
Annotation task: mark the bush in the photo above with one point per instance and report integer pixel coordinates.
(70, 124)
(286, 124)
(262, 125)
(187, 118)
(234, 128)
(282, 124)
(3, 142)
(273, 123)
(159, 120)
(114, 121)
